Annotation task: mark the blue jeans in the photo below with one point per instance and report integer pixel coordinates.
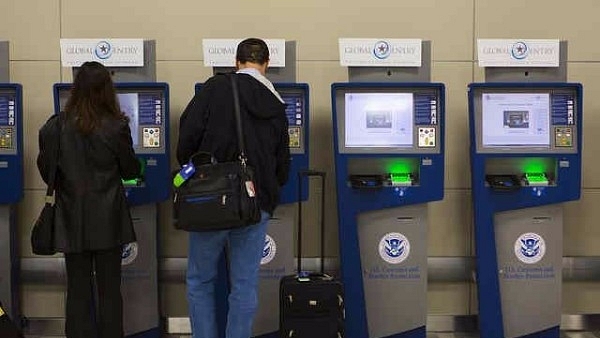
(245, 252)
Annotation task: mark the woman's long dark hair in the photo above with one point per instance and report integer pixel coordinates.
(92, 97)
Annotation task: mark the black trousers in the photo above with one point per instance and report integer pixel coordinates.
(85, 318)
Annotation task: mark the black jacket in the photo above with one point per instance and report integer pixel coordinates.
(208, 124)
(91, 206)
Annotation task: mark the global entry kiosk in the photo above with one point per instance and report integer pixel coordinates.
(389, 131)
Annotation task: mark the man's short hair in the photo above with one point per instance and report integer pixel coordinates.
(252, 50)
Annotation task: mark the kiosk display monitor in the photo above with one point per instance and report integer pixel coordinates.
(378, 120)
(516, 119)
(388, 119)
(524, 119)
(145, 107)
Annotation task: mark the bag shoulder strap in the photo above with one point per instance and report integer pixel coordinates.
(238, 117)
(55, 157)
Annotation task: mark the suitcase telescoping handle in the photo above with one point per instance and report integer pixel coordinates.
(301, 175)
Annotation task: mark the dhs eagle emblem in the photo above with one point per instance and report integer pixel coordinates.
(394, 248)
(269, 250)
(530, 248)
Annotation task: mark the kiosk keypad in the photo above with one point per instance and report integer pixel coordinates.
(564, 137)
(151, 137)
(6, 138)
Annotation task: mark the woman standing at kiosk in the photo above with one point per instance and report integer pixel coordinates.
(92, 219)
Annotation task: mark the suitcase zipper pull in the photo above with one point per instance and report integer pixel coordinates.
(290, 299)
(223, 199)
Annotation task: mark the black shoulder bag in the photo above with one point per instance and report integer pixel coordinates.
(218, 196)
(42, 234)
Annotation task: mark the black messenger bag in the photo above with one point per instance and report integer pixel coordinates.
(218, 196)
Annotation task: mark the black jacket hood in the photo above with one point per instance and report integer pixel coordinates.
(259, 101)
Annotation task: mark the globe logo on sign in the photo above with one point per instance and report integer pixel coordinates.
(382, 50)
(519, 50)
(103, 50)
(394, 248)
(530, 248)
(129, 253)
(269, 250)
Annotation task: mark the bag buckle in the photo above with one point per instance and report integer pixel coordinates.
(50, 199)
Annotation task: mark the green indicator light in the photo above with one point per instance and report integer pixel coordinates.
(401, 179)
(534, 166)
(536, 178)
(136, 182)
(400, 167)
(131, 183)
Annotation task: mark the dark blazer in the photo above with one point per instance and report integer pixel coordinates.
(208, 124)
(91, 207)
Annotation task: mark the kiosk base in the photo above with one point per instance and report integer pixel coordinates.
(8, 262)
(529, 251)
(139, 285)
(393, 249)
(277, 261)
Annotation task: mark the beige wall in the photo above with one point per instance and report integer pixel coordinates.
(34, 28)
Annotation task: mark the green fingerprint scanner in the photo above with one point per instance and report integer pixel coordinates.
(401, 179)
(536, 179)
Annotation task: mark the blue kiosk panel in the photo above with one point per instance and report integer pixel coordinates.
(525, 160)
(389, 162)
(147, 106)
(11, 145)
(11, 181)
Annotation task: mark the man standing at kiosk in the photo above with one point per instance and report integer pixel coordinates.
(208, 124)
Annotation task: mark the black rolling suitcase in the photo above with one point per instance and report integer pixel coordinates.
(311, 304)
(8, 329)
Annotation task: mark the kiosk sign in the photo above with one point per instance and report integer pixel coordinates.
(380, 52)
(221, 52)
(109, 52)
(518, 53)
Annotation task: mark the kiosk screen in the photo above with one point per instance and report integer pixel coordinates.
(379, 120)
(145, 111)
(145, 108)
(516, 119)
(525, 118)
